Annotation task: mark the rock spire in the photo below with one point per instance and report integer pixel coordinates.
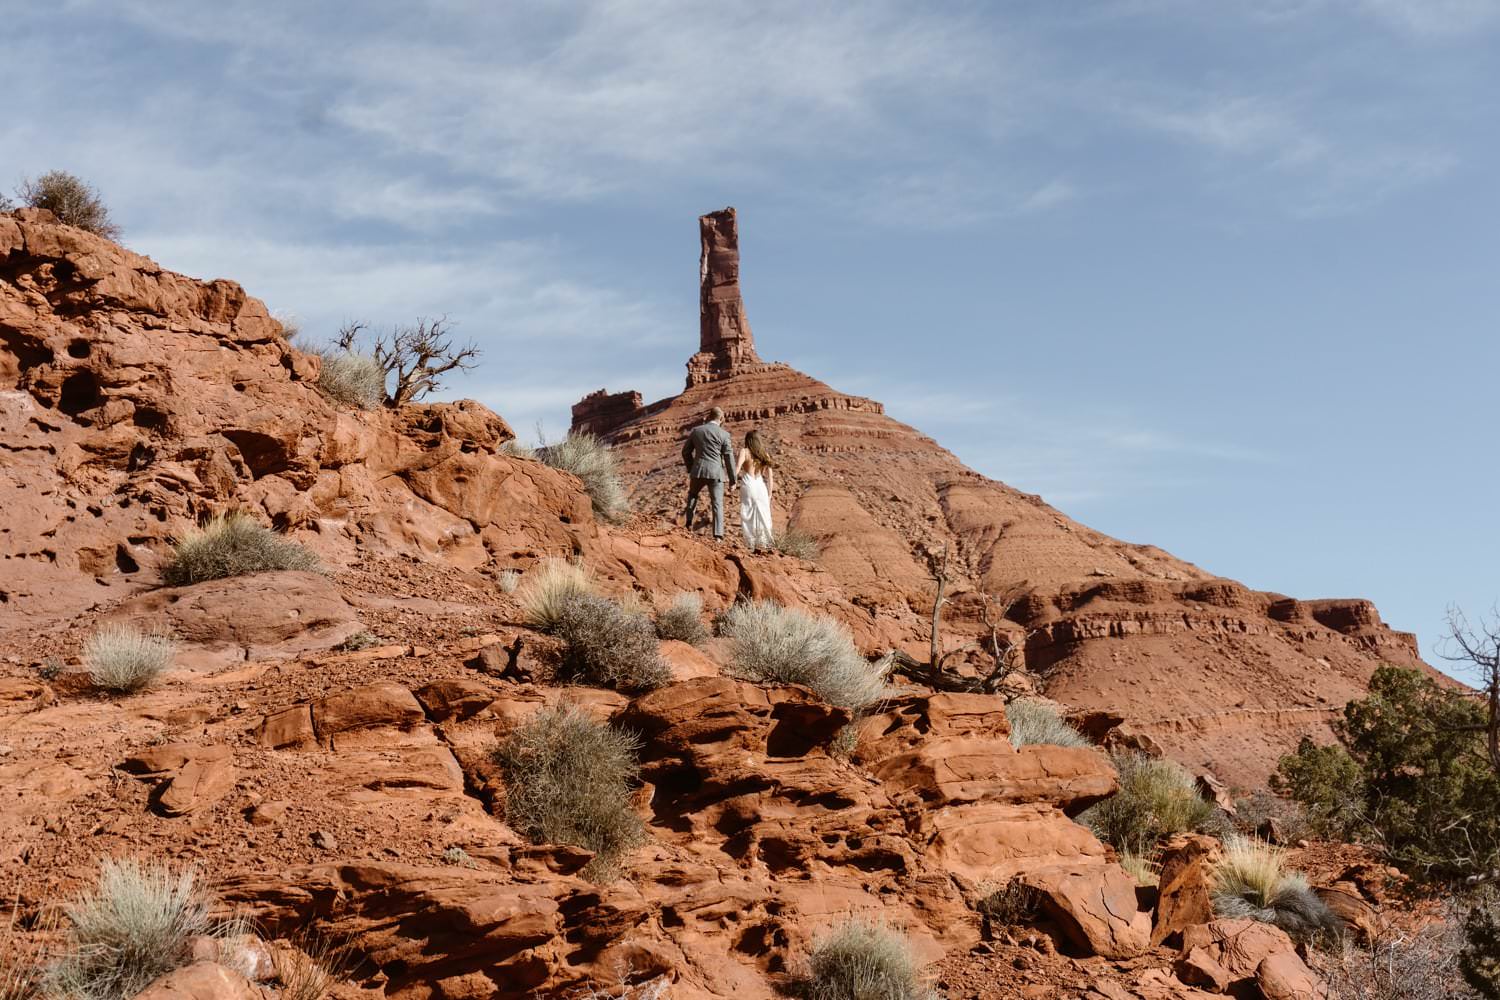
(724, 338)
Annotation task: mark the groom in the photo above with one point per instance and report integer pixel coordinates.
(709, 459)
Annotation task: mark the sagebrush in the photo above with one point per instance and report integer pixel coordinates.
(72, 200)
(1251, 879)
(1479, 961)
(1141, 868)
(1400, 963)
(607, 645)
(233, 544)
(595, 464)
(352, 379)
(1157, 797)
(547, 588)
(777, 645)
(863, 960)
(123, 658)
(1036, 722)
(683, 620)
(133, 926)
(508, 580)
(568, 780)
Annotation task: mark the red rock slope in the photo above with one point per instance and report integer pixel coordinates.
(1221, 676)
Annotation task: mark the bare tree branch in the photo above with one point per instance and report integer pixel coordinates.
(418, 356)
(1479, 647)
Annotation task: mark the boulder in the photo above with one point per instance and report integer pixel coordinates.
(1227, 954)
(1346, 902)
(382, 704)
(1095, 907)
(1183, 897)
(189, 777)
(454, 698)
(1284, 976)
(950, 770)
(261, 616)
(202, 980)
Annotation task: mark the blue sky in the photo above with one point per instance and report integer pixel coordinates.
(1219, 276)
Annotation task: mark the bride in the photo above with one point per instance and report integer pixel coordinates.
(755, 471)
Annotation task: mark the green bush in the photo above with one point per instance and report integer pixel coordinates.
(568, 780)
(352, 379)
(1036, 722)
(776, 645)
(121, 658)
(1479, 961)
(683, 620)
(71, 200)
(592, 461)
(1251, 880)
(608, 646)
(1412, 774)
(862, 960)
(1157, 798)
(233, 545)
(134, 926)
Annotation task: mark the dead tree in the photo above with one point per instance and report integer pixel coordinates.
(1480, 648)
(416, 356)
(1006, 651)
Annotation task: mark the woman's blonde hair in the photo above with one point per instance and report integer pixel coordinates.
(756, 446)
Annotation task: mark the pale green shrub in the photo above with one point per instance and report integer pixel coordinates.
(548, 587)
(862, 960)
(777, 645)
(1036, 722)
(683, 620)
(122, 658)
(1157, 797)
(233, 545)
(592, 461)
(352, 379)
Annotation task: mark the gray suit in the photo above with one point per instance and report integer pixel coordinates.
(708, 457)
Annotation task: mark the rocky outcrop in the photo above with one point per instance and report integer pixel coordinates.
(1105, 620)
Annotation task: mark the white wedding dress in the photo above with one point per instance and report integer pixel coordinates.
(755, 511)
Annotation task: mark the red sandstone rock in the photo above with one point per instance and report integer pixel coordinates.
(454, 699)
(1284, 976)
(374, 705)
(1183, 896)
(1095, 905)
(201, 981)
(1227, 954)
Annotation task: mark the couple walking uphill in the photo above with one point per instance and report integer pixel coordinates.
(710, 461)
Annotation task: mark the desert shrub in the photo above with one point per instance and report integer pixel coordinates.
(458, 857)
(132, 927)
(6, 205)
(122, 658)
(1013, 903)
(683, 620)
(1411, 773)
(352, 379)
(1157, 798)
(1401, 963)
(608, 646)
(508, 580)
(798, 544)
(1033, 721)
(568, 780)
(363, 639)
(777, 645)
(1479, 959)
(1251, 880)
(232, 545)
(20, 964)
(73, 201)
(862, 960)
(548, 587)
(1140, 868)
(592, 461)
(1262, 813)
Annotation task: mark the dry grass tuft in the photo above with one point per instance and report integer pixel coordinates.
(683, 620)
(508, 580)
(548, 587)
(777, 645)
(568, 780)
(797, 544)
(1157, 798)
(233, 544)
(352, 379)
(1251, 880)
(133, 926)
(1036, 722)
(313, 965)
(122, 658)
(1142, 869)
(863, 960)
(592, 461)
